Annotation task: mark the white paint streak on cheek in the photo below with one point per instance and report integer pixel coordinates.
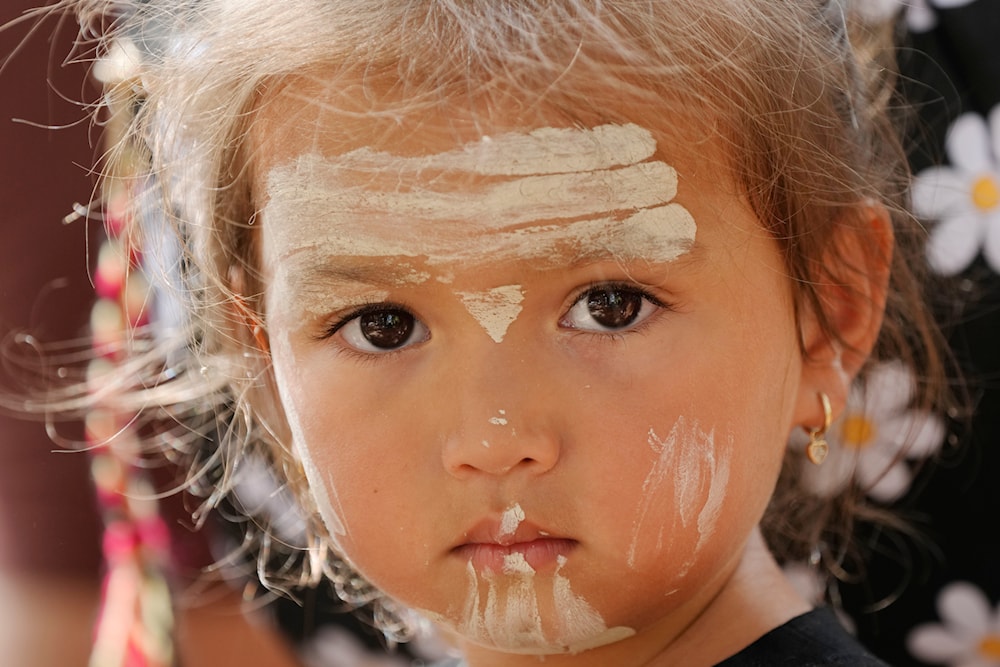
(697, 471)
(324, 495)
(718, 465)
(667, 451)
(510, 520)
(495, 309)
(501, 420)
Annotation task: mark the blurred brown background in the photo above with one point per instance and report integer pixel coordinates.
(49, 553)
(49, 527)
(47, 520)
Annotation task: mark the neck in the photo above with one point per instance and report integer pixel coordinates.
(751, 599)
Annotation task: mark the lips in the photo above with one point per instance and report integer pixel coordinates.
(492, 550)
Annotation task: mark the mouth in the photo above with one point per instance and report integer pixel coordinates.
(526, 550)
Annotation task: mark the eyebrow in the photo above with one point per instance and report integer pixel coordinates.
(385, 273)
(346, 272)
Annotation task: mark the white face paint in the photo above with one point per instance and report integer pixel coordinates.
(572, 194)
(352, 228)
(510, 520)
(699, 470)
(314, 299)
(510, 617)
(494, 309)
(543, 151)
(324, 494)
(567, 195)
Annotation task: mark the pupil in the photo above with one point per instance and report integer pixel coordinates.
(614, 308)
(387, 328)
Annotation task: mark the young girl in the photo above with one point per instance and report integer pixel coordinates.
(525, 299)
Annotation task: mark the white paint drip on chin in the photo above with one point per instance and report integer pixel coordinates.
(580, 626)
(510, 618)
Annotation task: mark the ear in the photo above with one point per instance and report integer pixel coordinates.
(248, 323)
(851, 291)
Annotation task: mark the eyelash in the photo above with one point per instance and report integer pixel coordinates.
(365, 308)
(625, 286)
(374, 306)
(351, 353)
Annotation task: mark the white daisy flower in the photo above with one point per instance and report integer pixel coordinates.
(969, 635)
(874, 436)
(920, 14)
(963, 196)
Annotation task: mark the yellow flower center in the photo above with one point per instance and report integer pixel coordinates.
(985, 193)
(989, 647)
(857, 431)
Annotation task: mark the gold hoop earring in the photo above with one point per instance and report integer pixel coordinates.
(818, 448)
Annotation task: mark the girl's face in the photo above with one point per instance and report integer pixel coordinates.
(540, 376)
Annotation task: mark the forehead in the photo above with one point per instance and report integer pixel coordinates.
(350, 166)
(331, 113)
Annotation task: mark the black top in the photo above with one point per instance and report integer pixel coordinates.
(814, 639)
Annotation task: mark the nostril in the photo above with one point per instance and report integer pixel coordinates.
(500, 442)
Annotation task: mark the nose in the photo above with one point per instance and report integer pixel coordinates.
(504, 421)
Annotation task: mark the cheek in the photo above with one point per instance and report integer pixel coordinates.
(682, 494)
(343, 454)
(691, 487)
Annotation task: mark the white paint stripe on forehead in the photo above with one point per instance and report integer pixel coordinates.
(543, 151)
(660, 234)
(316, 204)
(312, 187)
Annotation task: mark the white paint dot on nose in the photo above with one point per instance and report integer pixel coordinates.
(486, 443)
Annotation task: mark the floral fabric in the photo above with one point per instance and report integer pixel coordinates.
(931, 598)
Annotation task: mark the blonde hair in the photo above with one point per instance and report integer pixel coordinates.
(799, 95)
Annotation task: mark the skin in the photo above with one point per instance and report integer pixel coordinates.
(650, 452)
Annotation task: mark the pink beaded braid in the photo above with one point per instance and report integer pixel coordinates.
(135, 623)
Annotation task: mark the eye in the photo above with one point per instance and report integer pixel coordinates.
(610, 307)
(379, 329)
